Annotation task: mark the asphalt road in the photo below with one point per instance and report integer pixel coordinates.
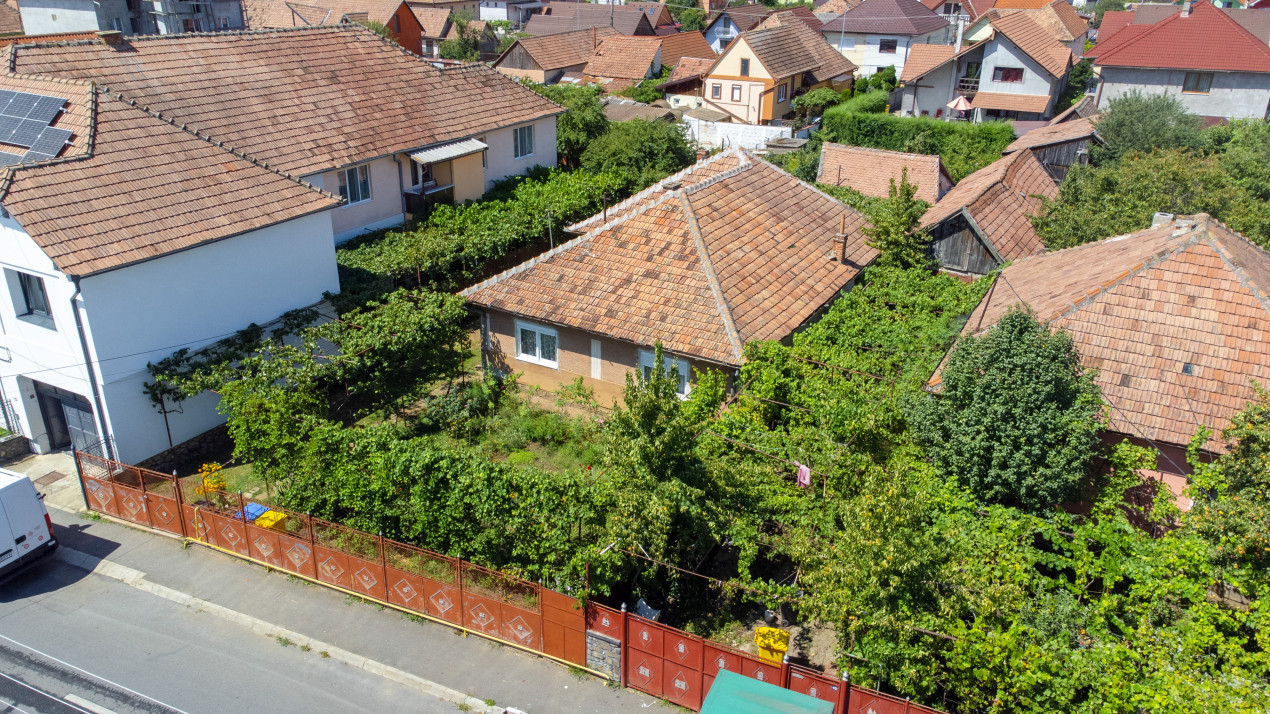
(71, 641)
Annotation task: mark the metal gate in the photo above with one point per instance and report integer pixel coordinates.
(664, 662)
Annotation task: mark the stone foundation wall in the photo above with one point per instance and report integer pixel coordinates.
(604, 654)
(212, 441)
(13, 446)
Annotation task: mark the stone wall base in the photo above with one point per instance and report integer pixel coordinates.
(213, 441)
(604, 654)
(14, 446)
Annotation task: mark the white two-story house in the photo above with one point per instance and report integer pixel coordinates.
(338, 107)
(125, 236)
(879, 33)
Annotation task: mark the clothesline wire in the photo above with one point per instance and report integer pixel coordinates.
(722, 583)
(769, 455)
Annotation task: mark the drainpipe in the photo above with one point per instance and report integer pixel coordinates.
(92, 375)
(401, 184)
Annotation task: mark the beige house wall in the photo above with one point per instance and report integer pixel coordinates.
(468, 177)
(617, 358)
(730, 63)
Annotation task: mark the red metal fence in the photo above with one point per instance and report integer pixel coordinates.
(654, 658)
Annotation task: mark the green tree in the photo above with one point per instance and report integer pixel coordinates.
(688, 14)
(1077, 83)
(895, 226)
(816, 101)
(1104, 6)
(583, 121)
(882, 80)
(380, 29)
(464, 47)
(1142, 123)
(1016, 418)
(643, 151)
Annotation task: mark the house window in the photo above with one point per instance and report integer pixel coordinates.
(355, 184)
(223, 22)
(725, 23)
(35, 301)
(396, 25)
(1007, 74)
(887, 47)
(537, 344)
(745, 67)
(782, 93)
(187, 25)
(716, 91)
(420, 174)
(646, 363)
(1197, 82)
(116, 24)
(523, 141)
(952, 8)
(736, 92)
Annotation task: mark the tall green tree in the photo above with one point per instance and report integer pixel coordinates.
(1016, 417)
(895, 226)
(582, 122)
(1143, 123)
(643, 151)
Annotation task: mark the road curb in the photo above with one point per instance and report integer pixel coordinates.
(136, 579)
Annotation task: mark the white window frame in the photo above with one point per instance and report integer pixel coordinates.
(736, 92)
(349, 179)
(782, 93)
(539, 331)
(518, 142)
(685, 371)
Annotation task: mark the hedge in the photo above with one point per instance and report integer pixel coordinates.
(964, 147)
(869, 103)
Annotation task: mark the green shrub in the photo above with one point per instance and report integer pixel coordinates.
(869, 102)
(521, 458)
(964, 147)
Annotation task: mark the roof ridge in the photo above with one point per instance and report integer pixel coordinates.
(888, 151)
(712, 276)
(1258, 292)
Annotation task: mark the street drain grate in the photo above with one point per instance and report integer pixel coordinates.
(50, 478)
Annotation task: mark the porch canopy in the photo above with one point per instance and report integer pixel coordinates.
(448, 150)
(732, 693)
(1031, 103)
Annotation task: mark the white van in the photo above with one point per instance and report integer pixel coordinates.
(26, 531)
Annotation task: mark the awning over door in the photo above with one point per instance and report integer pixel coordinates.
(447, 151)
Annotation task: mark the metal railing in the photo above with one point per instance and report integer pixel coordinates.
(968, 85)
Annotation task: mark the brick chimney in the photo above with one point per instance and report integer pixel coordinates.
(702, 154)
(110, 37)
(840, 241)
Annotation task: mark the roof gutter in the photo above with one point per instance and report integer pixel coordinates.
(106, 438)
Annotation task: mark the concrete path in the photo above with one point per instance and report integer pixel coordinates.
(437, 662)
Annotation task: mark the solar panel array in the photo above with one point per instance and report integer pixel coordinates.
(24, 122)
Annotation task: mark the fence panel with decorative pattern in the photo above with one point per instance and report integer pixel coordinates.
(650, 656)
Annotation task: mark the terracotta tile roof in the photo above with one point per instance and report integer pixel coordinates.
(1057, 17)
(684, 44)
(657, 12)
(1083, 109)
(791, 15)
(57, 37)
(133, 186)
(744, 17)
(794, 48)
(623, 57)
(1142, 306)
(432, 19)
(1001, 198)
(888, 17)
(835, 7)
(1055, 134)
(923, 58)
(475, 28)
(1113, 21)
(705, 268)
(973, 8)
(1019, 4)
(622, 110)
(567, 17)
(261, 14)
(566, 49)
(316, 98)
(1207, 39)
(1035, 41)
(870, 171)
(10, 18)
(1035, 103)
(689, 68)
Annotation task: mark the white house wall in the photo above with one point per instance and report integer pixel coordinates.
(385, 207)
(493, 11)
(931, 93)
(1002, 53)
(500, 158)
(42, 17)
(1234, 95)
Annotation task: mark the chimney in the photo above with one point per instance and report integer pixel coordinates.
(1161, 218)
(702, 154)
(840, 241)
(1186, 9)
(111, 37)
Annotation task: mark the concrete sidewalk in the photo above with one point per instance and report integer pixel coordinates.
(445, 656)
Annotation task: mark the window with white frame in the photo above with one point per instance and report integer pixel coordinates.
(782, 93)
(355, 184)
(736, 92)
(647, 360)
(30, 299)
(537, 344)
(523, 141)
(421, 175)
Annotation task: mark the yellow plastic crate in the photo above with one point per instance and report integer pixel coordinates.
(772, 642)
(270, 519)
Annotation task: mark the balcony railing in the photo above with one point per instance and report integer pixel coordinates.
(968, 85)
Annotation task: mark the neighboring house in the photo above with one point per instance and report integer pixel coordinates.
(1203, 58)
(319, 111)
(724, 26)
(486, 37)
(517, 13)
(580, 16)
(434, 23)
(618, 109)
(190, 243)
(154, 17)
(1059, 146)
(1173, 321)
(730, 251)
(965, 11)
(470, 7)
(1258, 23)
(546, 59)
(1056, 16)
(395, 15)
(684, 87)
(871, 171)
(1085, 108)
(658, 14)
(879, 33)
(684, 44)
(985, 221)
(760, 73)
(621, 61)
(1017, 72)
(832, 8)
(10, 18)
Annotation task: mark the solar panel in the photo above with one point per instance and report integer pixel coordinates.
(51, 141)
(46, 109)
(27, 132)
(33, 156)
(5, 96)
(6, 159)
(8, 125)
(21, 104)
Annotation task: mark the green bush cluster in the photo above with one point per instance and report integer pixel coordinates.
(964, 147)
(867, 103)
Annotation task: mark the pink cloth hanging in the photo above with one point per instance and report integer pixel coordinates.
(804, 475)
